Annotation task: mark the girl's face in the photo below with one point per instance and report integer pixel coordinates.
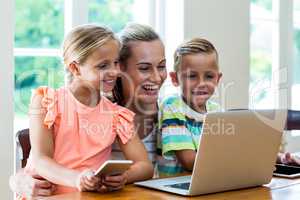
(101, 68)
(144, 72)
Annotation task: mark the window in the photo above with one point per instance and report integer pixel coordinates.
(39, 31)
(263, 44)
(296, 59)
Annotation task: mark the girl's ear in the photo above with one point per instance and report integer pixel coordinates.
(74, 68)
(122, 67)
(174, 78)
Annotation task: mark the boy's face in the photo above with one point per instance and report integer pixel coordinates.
(198, 75)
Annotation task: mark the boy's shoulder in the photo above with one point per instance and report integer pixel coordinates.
(212, 106)
(171, 100)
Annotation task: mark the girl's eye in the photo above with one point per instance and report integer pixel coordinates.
(102, 66)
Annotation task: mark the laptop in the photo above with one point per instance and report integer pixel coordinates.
(237, 149)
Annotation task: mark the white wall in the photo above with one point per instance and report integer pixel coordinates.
(226, 24)
(6, 102)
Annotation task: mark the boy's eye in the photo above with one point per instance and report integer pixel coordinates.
(191, 76)
(209, 76)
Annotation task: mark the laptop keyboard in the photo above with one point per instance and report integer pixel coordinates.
(184, 186)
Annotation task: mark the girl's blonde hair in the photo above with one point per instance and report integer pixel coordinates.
(81, 42)
(193, 46)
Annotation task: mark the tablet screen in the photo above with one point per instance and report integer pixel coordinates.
(287, 169)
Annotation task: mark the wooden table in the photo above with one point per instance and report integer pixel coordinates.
(279, 188)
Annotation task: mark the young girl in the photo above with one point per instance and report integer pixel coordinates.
(72, 128)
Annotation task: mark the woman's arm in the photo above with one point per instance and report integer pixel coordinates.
(135, 150)
(42, 148)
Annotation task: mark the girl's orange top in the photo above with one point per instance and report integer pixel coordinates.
(82, 135)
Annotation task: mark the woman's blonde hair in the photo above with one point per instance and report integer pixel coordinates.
(81, 42)
(132, 32)
(193, 46)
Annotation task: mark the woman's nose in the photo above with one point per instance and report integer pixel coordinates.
(155, 76)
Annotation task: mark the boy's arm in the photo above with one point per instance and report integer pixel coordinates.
(186, 158)
(42, 148)
(176, 138)
(135, 150)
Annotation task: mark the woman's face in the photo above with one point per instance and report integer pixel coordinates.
(144, 72)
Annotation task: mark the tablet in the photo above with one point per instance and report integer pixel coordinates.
(287, 171)
(113, 167)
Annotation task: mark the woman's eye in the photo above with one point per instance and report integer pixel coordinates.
(143, 68)
(161, 67)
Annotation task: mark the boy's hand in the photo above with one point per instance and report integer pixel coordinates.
(115, 182)
(87, 181)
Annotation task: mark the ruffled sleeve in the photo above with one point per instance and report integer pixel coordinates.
(49, 102)
(123, 124)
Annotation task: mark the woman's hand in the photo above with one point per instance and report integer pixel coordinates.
(115, 182)
(31, 186)
(289, 159)
(87, 181)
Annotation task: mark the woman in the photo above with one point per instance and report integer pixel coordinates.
(143, 67)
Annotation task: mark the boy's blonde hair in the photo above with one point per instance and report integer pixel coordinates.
(81, 42)
(193, 46)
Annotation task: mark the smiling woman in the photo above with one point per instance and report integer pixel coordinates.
(143, 71)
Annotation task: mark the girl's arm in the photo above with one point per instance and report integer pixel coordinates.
(42, 148)
(186, 158)
(135, 150)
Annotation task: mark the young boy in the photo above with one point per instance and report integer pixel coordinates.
(196, 72)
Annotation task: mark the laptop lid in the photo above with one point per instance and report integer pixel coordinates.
(237, 149)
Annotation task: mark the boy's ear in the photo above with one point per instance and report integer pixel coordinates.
(219, 77)
(174, 78)
(74, 68)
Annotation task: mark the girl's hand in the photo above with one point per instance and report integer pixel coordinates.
(87, 181)
(116, 182)
(289, 159)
